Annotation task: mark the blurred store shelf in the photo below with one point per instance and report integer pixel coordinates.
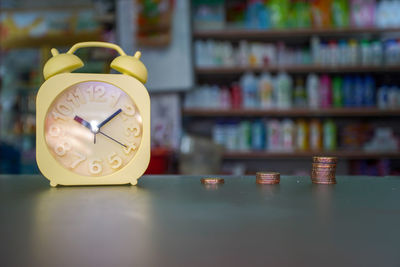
(344, 154)
(213, 71)
(51, 40)
(296, 112)
(237, 34)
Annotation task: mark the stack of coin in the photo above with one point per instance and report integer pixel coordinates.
(268, 177)
(324, 170)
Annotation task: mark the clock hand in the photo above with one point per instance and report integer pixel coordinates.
(87, 125)
(83, 122)
(100, 132)
(109, 118)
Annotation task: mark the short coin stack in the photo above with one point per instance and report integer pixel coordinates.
(268, 177)
(324, 170)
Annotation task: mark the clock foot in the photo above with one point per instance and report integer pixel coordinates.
(134, 182)
(53, 184)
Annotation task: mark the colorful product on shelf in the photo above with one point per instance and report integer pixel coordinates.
(301, 135)
(333, 53)
(269, 92)
(280, 14)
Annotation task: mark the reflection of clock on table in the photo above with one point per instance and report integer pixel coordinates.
(93, 128)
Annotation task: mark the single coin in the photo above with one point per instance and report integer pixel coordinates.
(212, 180)
(268, 174)
(264, 181)
(329, 160)
(324, 182)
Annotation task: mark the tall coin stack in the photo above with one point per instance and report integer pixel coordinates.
(324, 170)
(268, 177)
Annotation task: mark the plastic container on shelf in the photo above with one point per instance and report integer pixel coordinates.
(302, 133)
(225, 98)
(315, 134)
(377, 53)
(330, 135)
(245, 136)
(340, 13)
(274, 135)
(326, 91)
(283, 91)
(300, 95)
(348, 91)
(279, 10)
(313, 94)
(337, 93)
(321, 13)
(393, 95)
(366, 53)
(249, 86)
(258, 135)
(266, 91)
(315, 50)
(383, 97)
(236, 96)
(358, 92)
(353, 52)
(369, 91)
(288, 133)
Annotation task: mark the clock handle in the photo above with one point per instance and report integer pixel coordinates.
(64, 63)
(97, 44)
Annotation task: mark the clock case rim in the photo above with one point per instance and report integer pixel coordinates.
(58, 174)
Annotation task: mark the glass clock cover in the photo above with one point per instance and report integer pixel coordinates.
(93, 128)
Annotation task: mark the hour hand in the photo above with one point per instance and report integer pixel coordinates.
(83, 122)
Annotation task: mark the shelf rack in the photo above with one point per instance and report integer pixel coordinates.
(295, 112)
(302, 36)
(214, 71)
(343, 154)
(237, 34)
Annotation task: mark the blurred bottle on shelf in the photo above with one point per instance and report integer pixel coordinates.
(302, 132)
(266, 90)
(313, 94)
(283, 91)
(315, 135)
(330, 134)
(300, 95)
(249, 86)
(337, 92)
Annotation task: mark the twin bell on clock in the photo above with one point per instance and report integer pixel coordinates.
(93, 129)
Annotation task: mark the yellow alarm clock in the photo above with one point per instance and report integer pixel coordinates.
(93, 129)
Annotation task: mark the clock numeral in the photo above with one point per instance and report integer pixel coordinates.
(58, 116)
(81, 157)
(95, 166)
(99, 92)
(89, 90)
(76, 98)
(96, 94)
(62, 148)
(129, 148)
(114, 97)
(78, 94)
(132, 130)
(128, 110)
(55, 131)
(64, 109)
(114, 160)
(71, 98)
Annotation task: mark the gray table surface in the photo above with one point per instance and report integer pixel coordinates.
(176, 221)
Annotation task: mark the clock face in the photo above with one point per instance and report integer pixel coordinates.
(93, 128)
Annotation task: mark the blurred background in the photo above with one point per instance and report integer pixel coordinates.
(236, 86)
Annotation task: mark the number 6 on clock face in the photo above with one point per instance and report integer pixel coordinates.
(88, 124)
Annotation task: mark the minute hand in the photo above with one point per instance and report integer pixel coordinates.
(109, 118)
